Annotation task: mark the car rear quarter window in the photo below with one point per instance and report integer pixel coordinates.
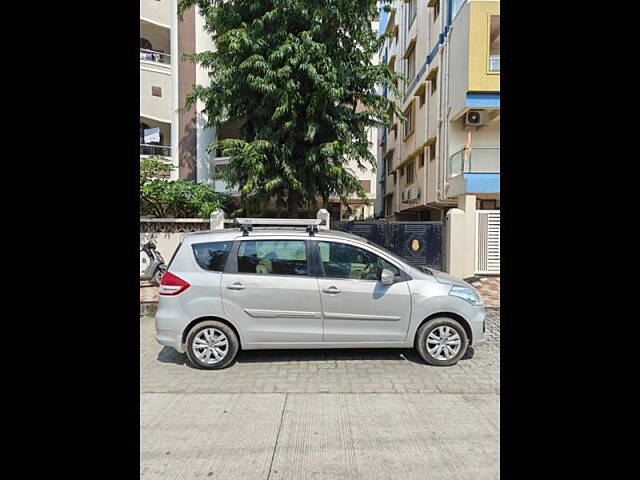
(212, 255)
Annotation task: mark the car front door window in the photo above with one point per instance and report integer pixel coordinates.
(341, 260)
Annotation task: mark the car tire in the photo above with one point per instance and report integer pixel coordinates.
(212, 333)
(438, 339)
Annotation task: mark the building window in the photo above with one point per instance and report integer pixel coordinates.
(494, 43)
(388, 205)
(432, 151)
(411, 65)
(421, 161)
(422, 97)
(402, 171)
(389, 172)
(218, 169)
(413, 10)
(434, 83)
(395, 178)
(366, 185)
(408, 124)
(436, 10)
(410, 172)
(156, 91)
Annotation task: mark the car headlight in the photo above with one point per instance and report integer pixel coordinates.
(467, 294)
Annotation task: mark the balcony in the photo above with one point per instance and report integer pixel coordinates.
(155, 44)
(155, 138)
(148, 55)
(475, 172)
(148, 149)
(155, 72)
(479, 160)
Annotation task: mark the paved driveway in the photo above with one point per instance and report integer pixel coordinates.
(320, 414)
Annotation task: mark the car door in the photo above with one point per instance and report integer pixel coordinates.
(356, 306)
(268, 290)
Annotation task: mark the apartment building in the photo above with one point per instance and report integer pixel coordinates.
(442, 161)
(165, 80)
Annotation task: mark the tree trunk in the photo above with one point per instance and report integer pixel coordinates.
(292, 204)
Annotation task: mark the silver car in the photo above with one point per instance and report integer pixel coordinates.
(262, 288)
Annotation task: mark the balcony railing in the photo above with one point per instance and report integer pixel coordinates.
(494, 63)
(153, 56)
(160, 150)
(479, 160)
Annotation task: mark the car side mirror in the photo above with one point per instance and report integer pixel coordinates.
(387, 277)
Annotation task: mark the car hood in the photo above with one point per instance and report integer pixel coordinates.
(443, 277)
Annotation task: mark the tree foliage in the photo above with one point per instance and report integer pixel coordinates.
(299, 75)
(164, 198)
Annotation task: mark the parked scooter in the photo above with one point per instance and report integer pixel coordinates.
(156, 266)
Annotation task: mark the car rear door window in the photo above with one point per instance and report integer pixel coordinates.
(341, 260)
(212, 256)
(273, 257)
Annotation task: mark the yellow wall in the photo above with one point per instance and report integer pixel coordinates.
(479, 78)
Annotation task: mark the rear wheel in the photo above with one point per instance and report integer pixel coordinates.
(441, 341)
(211, 345)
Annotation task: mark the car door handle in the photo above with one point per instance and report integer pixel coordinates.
(236, 286)
(331, 290)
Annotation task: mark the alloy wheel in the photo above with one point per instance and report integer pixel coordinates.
(210, 346)
(443, 343)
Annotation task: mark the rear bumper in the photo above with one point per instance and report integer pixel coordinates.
(170, 324)
(170, 339)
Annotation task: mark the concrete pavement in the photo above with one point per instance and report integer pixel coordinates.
(319, 436)
(330, 414)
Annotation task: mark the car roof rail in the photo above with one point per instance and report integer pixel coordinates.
(246, 224)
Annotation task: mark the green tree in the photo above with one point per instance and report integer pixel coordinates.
(299, 75)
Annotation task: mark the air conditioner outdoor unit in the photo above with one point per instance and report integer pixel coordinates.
(475, 118)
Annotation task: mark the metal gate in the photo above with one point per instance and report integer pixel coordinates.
(419, 243)
(487, 252)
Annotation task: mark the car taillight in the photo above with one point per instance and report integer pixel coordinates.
(172, 284)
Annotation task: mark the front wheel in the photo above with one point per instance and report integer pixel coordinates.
(211, 345)
(441, 341)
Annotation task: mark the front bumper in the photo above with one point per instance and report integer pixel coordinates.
(478, 327)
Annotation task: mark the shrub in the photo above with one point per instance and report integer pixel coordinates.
(175, 198)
